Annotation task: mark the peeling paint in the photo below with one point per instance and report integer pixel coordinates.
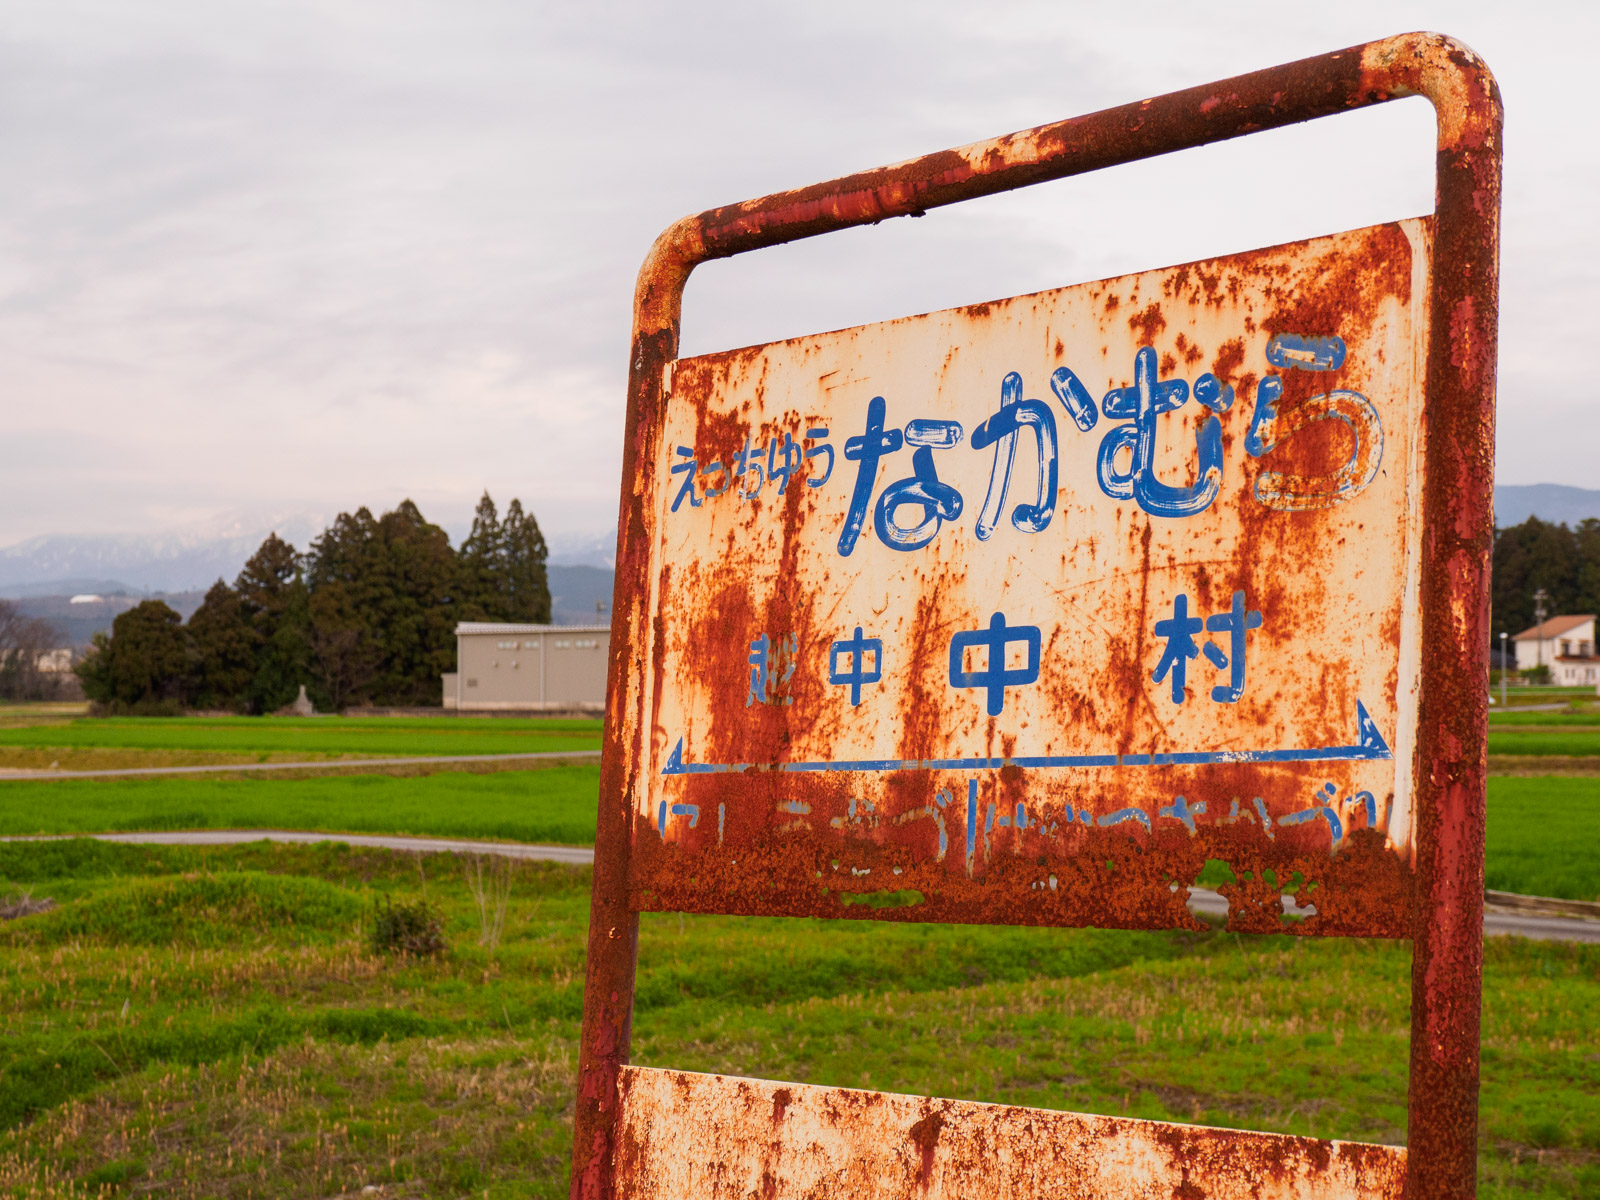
(1022, 790)
(1085, 759)
(710, 1137)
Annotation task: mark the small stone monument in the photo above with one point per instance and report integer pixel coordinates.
(302, 705)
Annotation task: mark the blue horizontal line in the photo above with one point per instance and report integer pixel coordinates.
(1370, 748)
(1034, 762)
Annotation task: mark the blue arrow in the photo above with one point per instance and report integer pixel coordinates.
(1369, 747)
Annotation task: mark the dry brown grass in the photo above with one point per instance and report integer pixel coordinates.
(318, 1119)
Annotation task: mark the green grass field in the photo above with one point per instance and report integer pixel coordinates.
(1542, 836)
(211, 1023)
(311, 736)
(1542, 832)
(552, 804)
(1552, 719)
(1558, 742)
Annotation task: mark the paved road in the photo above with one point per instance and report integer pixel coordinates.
(1529, 925)
(581, 855)
(1202, 901)
(326, 764)
(1511, 708)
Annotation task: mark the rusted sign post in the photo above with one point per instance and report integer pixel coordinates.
(1018, 613)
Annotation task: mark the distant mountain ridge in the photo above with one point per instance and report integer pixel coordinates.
(580, 564)
(63, 564)
(583, 550)
(1554, 502)
(580, 594)
(76, 624)
(165, 562)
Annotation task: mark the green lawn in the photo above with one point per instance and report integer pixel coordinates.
(1507, 717)
(1542, 834)
(381, 736)
(211, 1023)
(1564, 742)
(552, 804)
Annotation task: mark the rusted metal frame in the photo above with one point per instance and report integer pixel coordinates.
(1457, 543)
(1450, 760)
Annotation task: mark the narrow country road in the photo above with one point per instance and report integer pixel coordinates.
(1202, 901)
(578, 855)
(543, 757)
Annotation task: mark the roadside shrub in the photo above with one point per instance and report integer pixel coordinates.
(413, 927)
(149, 706)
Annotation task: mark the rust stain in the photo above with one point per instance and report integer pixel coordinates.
(925, 841)
(925, 1137)
(710, 1141)
(762, 838)
(1148, 322)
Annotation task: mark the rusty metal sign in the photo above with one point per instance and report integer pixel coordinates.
(1019, 613)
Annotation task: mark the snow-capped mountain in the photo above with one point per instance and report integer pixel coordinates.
(173, 561)
(195, 557)
(583, 549)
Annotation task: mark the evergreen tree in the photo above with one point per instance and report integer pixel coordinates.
(384, 605)
(345, 552)
(478, 586)
(414, 605)
(94, 669)
(524, 583)
(223, 646)
(347, 645)
(272, 594)
(1527, 557)
(368, 615)
(346, 656)
(1587, 537)
(143, 665)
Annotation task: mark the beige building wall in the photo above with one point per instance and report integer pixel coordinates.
(505, 666)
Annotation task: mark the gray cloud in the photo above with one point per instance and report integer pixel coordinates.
(262, 257)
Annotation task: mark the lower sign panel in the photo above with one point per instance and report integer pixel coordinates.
(683, 1134)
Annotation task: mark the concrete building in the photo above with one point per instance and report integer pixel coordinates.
(54, 662)
(506, 668)
(1565, 645)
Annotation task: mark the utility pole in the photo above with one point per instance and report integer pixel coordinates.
(1539, 599)
(1502, 668)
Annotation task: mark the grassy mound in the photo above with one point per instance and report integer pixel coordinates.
(227, 909)
(301, 1063)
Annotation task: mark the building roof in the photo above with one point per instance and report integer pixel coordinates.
(1553, 627)
(500, 627)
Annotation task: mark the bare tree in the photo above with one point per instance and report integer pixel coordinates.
(23, 643)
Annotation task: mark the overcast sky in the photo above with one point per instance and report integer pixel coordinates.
(289, 257)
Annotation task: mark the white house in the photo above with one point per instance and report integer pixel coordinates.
(1565, 645)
